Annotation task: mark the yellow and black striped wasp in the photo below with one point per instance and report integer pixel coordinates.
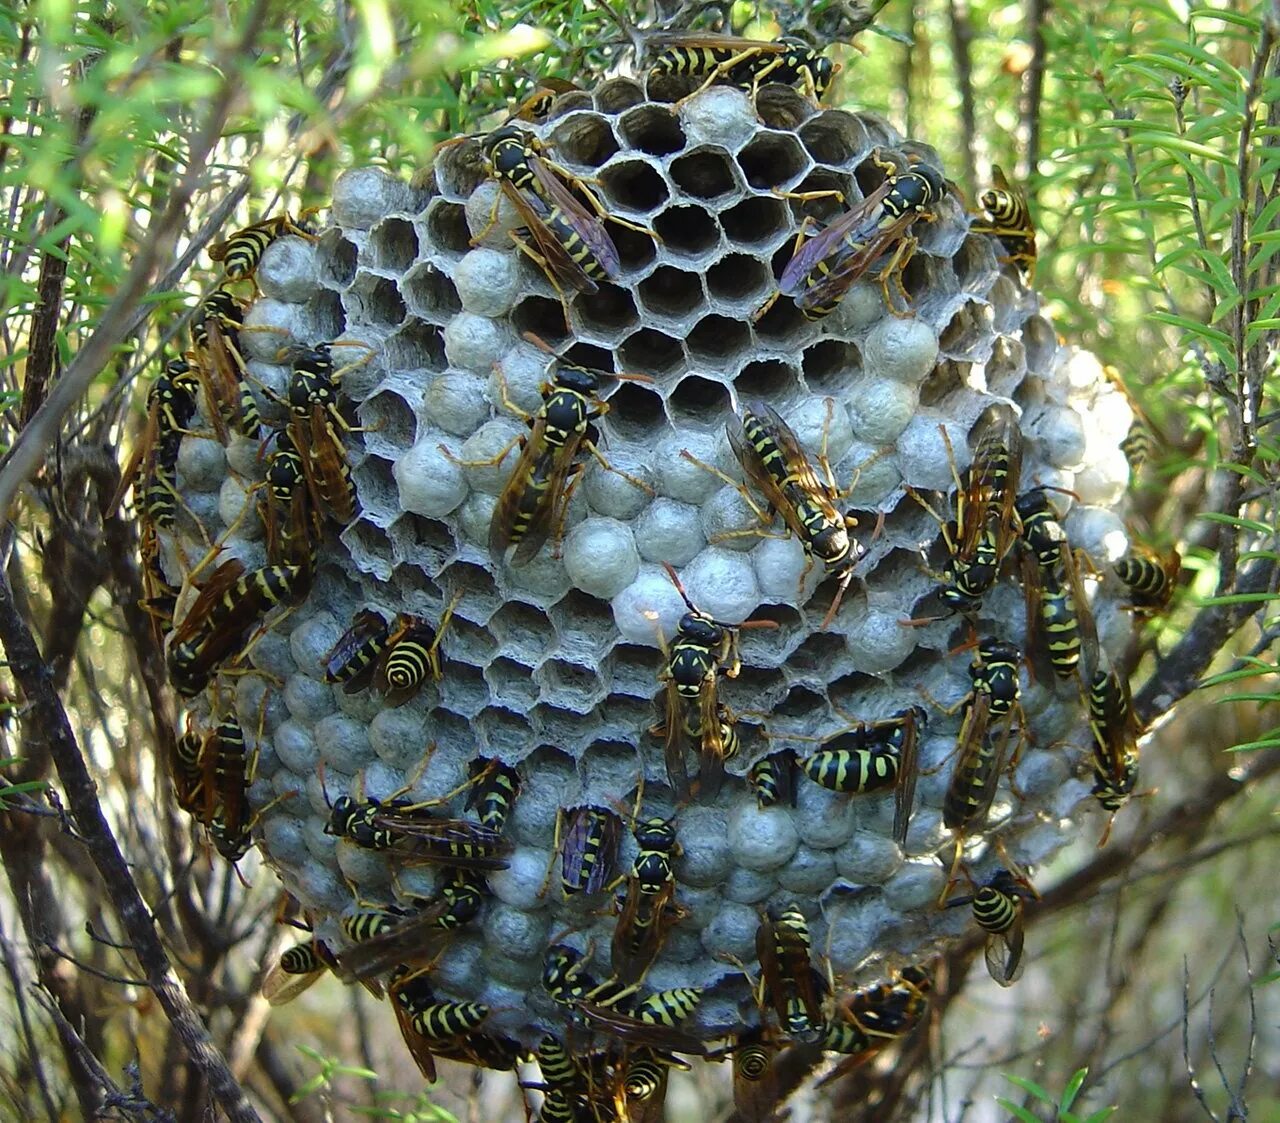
(215, 336)
(771, 456)
(382, 938)
(573, 247)
(648, 906)
(536, 496)
(986, 728)
(1149, 579)
(1008, 218)
(494, 788)
(1060, 628)
(997, 909)
(826, 265)
(755, 1080)
(352, 661)
(745, 63)
(426, 1023)
(411, 656)
(535, 107)
(772, 778)
(702, 650)
(228, 769)
(240, 253)
(292, 523)
(872, 756)
(228, 607)
(187, 770)
(788, 978)
(1114, 728)
(873, 1017)
(299, 968)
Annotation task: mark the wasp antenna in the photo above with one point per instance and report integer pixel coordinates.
(540, 343)
(675, 580)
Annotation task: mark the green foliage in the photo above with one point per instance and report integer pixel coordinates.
(1061, 1105)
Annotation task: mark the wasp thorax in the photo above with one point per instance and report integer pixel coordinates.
(596, 762)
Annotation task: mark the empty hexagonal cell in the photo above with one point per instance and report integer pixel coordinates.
(393, 245)
(370, 548)
(425, 542)
(760, 220)
(590, 356)
(469, 641)
(608, 313)
(392, 421)
(635, 412)
(376, 300)
(830, 365)
(453, 732)
(773, 160)
(524, 632)
(878, 130)
(583, 138)
(943, 381)
(335, 260)
(325, 312)
(633, 669)
(649, 351)
(976, 263)
(705, 173)
(718, 343)
(618, 94)
(653, 129)
(835, 137)
(699, 402)
(781, 107)
(739, 279)
(419, 591)
(459, 168)
(463, 689)
(817, 654)
(475, 584)
(446, 228)
(430, 294)
(416, 346)
(831, 196)
(634, 186)
(968, 333)
(672, 292)
(542, 316)
(766, 380)
(376, 487)
(512, 684)
(849, 693)
(784, 325)
(687, 231)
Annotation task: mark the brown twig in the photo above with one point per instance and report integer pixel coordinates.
(46, 718)
(1033, 91)
(961, 38)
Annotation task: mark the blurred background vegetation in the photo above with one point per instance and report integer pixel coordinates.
(132, 135)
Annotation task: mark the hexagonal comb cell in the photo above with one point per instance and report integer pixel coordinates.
(416, 346)
(670, 292)
(687, 232)
(651, 352)
(739, 279)
(543, 317)
(375, 300)
(459, 169)
(718, 343)
(781, 107)
(830, 365)
(773, 160)
(835, 138)
(617, 94)
(634, 186)
(393, 245)
(758, 221)
(583, 139)
(766, 379)
(653, 129)
(430, 294)
(608, 314)
(635, 413)
(424, 542)
(705, 173)
(336, 260)
(446, 228)
(511, 683)
(523, 632)
(391, 420)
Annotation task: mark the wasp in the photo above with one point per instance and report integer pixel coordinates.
(573, 247)
(297, 969)
(702, 650)
(535, 108)
(772, 779)
(383, 938)
(647, 906)
(997, 910)
(755, 1080)
(352, 661)
(788, 977)
(228, 773)
(484, 1050)
(410, 993)
(871, 1018)
(240, 253)
(215, 332)
(217, 625)
(1114, 728)
(745, 63)
(771, 456)
(1059, 621)
(292, 525)
(536, 496)
(642, 1089)
(187, 771)
(872, 756)
(985, 732)
(411, 656)
(590, 850)
(171, 405)
(494, 791)
(409, 829)
(825, 266)
(1149, 580)
(315, 428)
(1008, 218)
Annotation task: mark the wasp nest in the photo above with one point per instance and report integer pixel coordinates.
(552, 667)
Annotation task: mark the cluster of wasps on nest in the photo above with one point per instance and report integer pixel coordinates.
(210, 621)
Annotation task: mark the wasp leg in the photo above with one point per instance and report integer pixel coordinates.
(542, 263)
(719, 72)
(765, 517)
(893, 273)
(604, 463)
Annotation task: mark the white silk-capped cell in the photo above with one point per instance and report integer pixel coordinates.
(456, 402)
(489, 226)
(430, 482)
(729, 522)
(237, 504)
(600, 557)
(308, 699)
(313, 639)
(882, 409)
(762, 840)
(488, 457)
(722, 584)
(650, 605)
(363, 196)
(678, 476)
(903, 349)
(287, 270)
(488, 281)
(671, 531)
(202, 465)
(720, 116)
(475, 343)
(271, 326)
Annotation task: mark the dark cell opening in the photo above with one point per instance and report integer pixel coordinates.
(783, 323)
(772, 161)
(825, 208)
(652, 129)
(609, 310)
(633, 186)
(688, 231)
(447, 227)
(817, 654)
(766, 378)
(650, 352)
(395, 245)
(699, 401)
(781, 107)
(756, 221)
(636, 249)
(336, 258)
(635, 413)
(542, 316)
(717, 341)
(417, 346)
(459, 168)
(619, 94)
(511, 684)
(670, 292)
(389, 414)
(430, 294)
(380, 302)
(583, 138)
(834, 137)
(800, 702)
(327, 314)
(703, 175)
(590, 356)
(737, 277)
(830, 365)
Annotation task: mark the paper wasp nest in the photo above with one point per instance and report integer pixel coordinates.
(554, 666)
